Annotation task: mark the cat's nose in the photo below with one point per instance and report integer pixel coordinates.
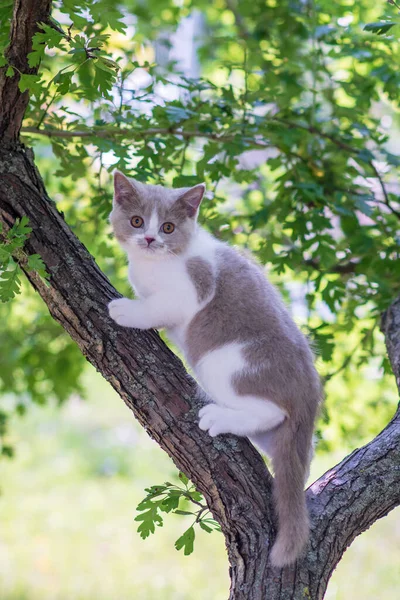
(149, 240)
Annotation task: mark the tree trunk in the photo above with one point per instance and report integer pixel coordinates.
(154, 385)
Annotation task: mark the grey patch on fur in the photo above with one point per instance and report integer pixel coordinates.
(133, 198)
(200, 272)
(243, 308)
(247, 309)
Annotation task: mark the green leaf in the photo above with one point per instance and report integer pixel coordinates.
(104, 78)
(49, 37)
(205, 527)
(155, 490)
(108, 63)
(111, 16)
(169, 503)
(186, 541)
(10, 283)
(150, 519)
(35, 57)
(5, 256)
(183, 512)
(7, 451)
(31, 83)
(20, 229)
(10, 72)
(63, 81)
(177, 113)
(213, 524)
(196, 496)
(185, 181)
(361, 203)
(101, 64)
(35, 263)
(183, 478)
(380, 28)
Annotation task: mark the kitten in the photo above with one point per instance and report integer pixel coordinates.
(236, 334)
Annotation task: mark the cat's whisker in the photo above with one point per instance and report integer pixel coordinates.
(169, 251)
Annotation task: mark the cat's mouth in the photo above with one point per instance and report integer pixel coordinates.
(155, 248)
(150, 249)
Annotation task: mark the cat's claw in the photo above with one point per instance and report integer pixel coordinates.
(120, 310)
(212, 419)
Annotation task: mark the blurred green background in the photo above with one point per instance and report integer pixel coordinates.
(67, 512)
(289, 111)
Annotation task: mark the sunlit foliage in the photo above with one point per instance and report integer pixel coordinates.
(291, 121)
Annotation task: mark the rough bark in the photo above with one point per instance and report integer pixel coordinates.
(154, 385)
(24, 24)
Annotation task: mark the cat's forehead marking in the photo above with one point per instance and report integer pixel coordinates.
(153, 221)
(160, 202)
(157, 194)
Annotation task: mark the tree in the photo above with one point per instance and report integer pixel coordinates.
(317, 163)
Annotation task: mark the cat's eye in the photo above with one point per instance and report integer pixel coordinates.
(168, 227)
(136, 222)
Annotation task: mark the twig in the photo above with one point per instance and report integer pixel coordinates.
(184, 155)
(350, 356)
(46, 109)
(111, 132)
(385, 194)
(132, 133)
(340, 268)
(204, 509)
(313, 129)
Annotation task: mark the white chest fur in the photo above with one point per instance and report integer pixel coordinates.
(149, 277)
(168, 277)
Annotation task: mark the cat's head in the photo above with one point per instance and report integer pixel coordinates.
(153, 220)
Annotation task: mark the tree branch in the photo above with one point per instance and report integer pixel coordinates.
(27, 15)
(112, 132)
(349, 498)
(129, 133)
(346, 268)
(390, 326)
(364, 487)
(136, 134)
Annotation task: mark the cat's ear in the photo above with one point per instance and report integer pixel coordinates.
(124, 189)
(192, 199)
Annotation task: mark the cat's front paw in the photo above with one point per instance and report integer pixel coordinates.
(212, 419)
(121, 311)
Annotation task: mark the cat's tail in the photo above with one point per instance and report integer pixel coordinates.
(291, 457)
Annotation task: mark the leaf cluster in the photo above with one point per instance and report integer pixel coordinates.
(181, 499)
(290, 124)
(12, 256)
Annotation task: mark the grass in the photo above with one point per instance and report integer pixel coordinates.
(67, 509)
